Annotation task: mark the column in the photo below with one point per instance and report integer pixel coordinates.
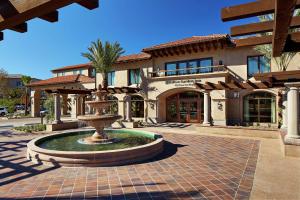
(35, 103)
(65, 104)
(293, 110)
(57, 109)
(206, 120)
(83, 105)
(74, 105)
(284, 110)
(128, 108)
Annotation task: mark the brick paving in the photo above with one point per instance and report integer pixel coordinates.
(191, 167)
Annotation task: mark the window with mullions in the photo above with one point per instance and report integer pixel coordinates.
(189, 67)
(257, 64)
(134, 76)
(111, 78)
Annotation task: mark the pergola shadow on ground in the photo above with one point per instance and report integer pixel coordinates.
(17, 167)
(191, 166)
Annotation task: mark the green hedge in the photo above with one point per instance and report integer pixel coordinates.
(30, 129)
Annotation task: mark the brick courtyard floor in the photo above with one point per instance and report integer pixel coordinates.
(191, 167)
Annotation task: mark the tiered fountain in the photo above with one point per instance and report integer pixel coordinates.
(100, 120)
(104, 148)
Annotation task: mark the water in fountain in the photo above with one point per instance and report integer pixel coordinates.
(100, 120)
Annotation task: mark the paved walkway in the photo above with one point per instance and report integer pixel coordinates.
(191, 167)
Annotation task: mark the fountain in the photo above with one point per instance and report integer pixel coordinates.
(95, 147)
(100, 120)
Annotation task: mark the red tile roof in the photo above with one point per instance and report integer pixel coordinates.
(190, 40)
(80, 66)
(63, 80)
(134, 57)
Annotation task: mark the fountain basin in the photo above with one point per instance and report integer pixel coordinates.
(75, 158)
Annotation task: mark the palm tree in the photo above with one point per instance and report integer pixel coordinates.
(26, 80)
(103, 57)
(284, 60)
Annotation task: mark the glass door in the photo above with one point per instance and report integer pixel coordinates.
(183, 111)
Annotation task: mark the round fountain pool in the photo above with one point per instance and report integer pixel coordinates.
(65, 149)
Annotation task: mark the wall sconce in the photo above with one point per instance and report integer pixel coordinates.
(236, 95)
(220, 106)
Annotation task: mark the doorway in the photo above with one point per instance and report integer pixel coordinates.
(185, 107)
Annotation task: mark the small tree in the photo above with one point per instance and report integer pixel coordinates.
(3, 81)
(26, 80)
(49, 105)
(284, 60)
(103, 57)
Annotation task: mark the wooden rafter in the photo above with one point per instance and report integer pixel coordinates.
(284, 11)
(1, 36)
(21, 28)
(252, 9)
(51, 17)
(15, 13)
(260, 27)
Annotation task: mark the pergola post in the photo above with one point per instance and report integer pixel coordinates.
(128, 108)
(293, 113)
(284, 110)
(83, 105)
(207, 120)
(74, 102)
(57, 109)
(35, 103)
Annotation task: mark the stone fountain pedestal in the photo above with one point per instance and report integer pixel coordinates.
(100, 120)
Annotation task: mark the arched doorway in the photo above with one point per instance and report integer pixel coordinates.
(186, 107)
(260, 107)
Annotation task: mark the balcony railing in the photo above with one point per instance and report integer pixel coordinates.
(188, 71)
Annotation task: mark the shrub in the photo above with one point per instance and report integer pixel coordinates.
(9, 103)
(32, 128)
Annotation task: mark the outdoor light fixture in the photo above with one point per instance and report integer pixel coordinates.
(236, 95)
(220, 106)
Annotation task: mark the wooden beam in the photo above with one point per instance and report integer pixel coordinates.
(1, 36)
(170, 51)
(28, 10)
(223, 85)
(89, 4)
(210, 85)
(252, 9)
(252, 41)
(21, 28)
(252, 85)
(293, 43)
(50, 17)
(284, 11)
(200, 85)
(260, 27)
(237, 84)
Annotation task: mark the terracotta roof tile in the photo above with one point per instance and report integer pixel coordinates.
(63, 80)
(190, 40)
(134, 57)
(80, 66)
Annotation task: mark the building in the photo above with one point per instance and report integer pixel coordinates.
(167, 75)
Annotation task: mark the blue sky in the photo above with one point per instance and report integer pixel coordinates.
(134, 23)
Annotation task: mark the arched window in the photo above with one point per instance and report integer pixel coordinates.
(260, 107)
(113, 109)
(137, 106)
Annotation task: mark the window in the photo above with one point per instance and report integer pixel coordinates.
(93, 72)
(75, 72)
(260, 107)
(134, 76)
(171, 69)
(137, 106)
(111, 78)
(19, 84)
(257, 64)
(189, 67)
(81, 71)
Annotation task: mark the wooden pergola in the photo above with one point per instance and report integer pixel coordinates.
(282, 39)
(14, 14)
(263, 81)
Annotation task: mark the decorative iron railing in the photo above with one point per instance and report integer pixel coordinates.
(188, 71)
